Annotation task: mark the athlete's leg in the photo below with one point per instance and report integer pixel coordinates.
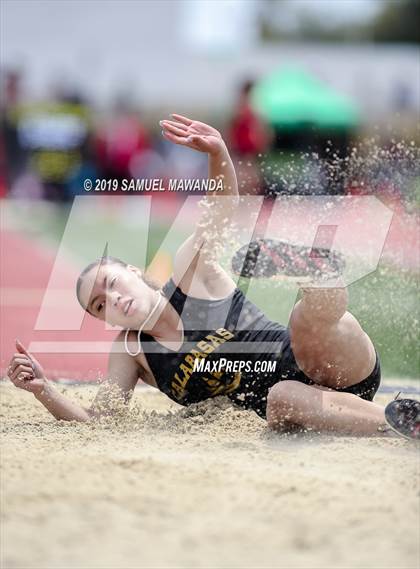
(328, 343)
(322, 409)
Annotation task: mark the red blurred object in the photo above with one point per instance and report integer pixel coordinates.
(117, 142)
(248, 133)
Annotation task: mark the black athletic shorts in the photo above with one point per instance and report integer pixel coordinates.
(365, 389)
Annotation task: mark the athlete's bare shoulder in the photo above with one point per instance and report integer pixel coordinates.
(130, 368)
(120, 362)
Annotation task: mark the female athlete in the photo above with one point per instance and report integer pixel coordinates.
(199, 336)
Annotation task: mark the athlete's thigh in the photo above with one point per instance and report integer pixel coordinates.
(334, 355)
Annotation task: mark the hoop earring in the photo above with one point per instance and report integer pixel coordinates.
(138, 343)
(140, 330)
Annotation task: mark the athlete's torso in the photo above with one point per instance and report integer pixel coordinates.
(232, 328)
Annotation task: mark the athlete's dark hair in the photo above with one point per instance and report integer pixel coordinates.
(107, 260)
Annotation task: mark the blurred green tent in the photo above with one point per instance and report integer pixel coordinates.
(293, 98)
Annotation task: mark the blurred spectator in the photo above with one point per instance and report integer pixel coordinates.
(55, 135)
(13, 156)
(248, 134)
(3, 185)
(249, 137)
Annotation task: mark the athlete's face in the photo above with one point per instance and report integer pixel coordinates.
(117, 294)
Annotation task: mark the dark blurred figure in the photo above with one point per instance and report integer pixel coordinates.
(69, 150)
(248, 134)
(54, 134)
(249, 137)
(12, 155)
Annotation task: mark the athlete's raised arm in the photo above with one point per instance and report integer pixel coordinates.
(116, 390)
(204, 138)
(197, 256)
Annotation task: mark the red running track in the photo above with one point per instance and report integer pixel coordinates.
(25, 272)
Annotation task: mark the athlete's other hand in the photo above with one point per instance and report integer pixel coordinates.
(25, 371)
(194, 134)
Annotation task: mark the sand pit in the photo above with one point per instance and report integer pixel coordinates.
(203, 487)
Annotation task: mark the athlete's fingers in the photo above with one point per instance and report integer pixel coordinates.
(16, 361)
(184, 131)
(22, 357)
(21, 379)
(19, 358)
(18, 382)
(181, 118)
(22, 350)
(174, 138)
(26, 370)
(175, 130)
(174, 123)
(25, 376)
(22, 383)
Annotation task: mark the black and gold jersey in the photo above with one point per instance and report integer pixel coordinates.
(230, 348)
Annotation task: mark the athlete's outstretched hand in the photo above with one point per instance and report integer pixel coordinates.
(194, 134)
(25, 371)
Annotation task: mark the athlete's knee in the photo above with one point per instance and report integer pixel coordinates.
(283, 403)
(323, 305)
